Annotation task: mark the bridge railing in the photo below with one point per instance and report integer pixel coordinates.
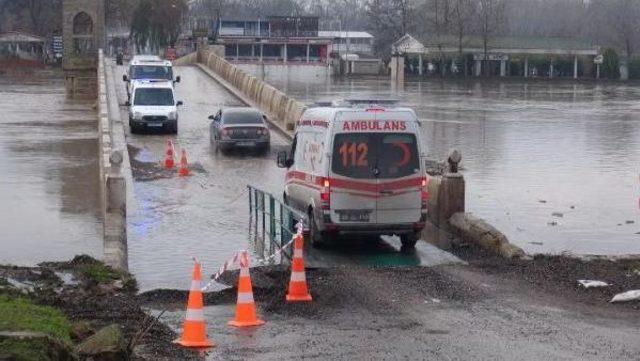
(272, 223)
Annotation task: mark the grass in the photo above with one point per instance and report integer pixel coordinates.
(20, 314)
(24, 350)
(98, 272)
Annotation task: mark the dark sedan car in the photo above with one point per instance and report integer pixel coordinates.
(239, 127)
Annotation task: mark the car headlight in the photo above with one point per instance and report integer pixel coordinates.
(137, 116)
(173, 116)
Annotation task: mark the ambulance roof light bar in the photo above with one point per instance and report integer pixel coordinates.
(356, 102)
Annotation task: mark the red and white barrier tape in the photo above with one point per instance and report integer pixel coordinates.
(236, 257)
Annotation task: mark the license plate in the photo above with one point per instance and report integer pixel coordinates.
(354, 216)
(154, 124)
(245, 144)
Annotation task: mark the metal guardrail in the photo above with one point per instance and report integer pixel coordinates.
(273, 221)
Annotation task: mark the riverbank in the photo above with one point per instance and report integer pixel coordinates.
(80, 308)
(505, 299)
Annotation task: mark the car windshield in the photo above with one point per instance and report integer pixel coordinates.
(375, 155)
(151, 72)
(242, 118)
(153, 96)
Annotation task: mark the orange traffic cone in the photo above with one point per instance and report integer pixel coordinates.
(194, 329)
(245, 307)
(168, 159)
(184, 165)
(298, 290)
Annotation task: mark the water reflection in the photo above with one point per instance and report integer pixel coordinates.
(48, 160)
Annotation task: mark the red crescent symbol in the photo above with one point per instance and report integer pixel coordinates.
(406, 154)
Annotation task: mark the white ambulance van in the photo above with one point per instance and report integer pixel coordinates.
(357, 167)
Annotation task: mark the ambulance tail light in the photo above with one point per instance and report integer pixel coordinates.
(325, 195)
(424, 193)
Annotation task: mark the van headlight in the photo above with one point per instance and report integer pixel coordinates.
(173, 116)
(137, 116)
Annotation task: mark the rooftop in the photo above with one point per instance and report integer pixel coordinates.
(344, 34)
(19, 37)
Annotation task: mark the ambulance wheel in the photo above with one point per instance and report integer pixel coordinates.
(409, 240)
(314, 234)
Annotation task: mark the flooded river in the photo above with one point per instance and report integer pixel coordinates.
(49, 188)
(554, 165)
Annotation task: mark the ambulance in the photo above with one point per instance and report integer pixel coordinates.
(356, 167)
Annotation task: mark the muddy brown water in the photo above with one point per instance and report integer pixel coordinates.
(554, 165)
(49, 188)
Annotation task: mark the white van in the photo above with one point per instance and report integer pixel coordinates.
(358, 168)
(148, 67)
(153, 107)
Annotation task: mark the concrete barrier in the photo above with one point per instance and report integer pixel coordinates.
(115, 169)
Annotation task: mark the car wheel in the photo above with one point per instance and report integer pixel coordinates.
(173, 127)
(133, 127)
(409, 240)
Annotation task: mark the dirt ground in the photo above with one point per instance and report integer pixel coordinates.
(96, 303)
(489, 309)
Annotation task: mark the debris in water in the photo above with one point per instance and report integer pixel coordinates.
(629, 222)
(592, 283)
(572, 207)
(537, 243)
(557, 214)
(552, 223)
(542, 201)
(626, 296)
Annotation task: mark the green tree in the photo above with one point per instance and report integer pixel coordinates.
(610, 65)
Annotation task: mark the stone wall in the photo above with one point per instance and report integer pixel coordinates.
(279, 108)
(115, 169)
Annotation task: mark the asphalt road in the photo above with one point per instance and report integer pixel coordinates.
(431, 313)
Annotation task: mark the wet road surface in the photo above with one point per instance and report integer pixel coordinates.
(49, 188)
(206, 215)
(530, 149)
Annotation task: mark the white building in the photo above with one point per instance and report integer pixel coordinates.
(352, 42)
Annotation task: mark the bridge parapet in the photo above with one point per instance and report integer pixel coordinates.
(282, 110)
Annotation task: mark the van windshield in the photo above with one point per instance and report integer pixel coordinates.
(375, 155)
(153, 96)
(153, 72)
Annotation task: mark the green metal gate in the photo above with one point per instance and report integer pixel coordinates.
(272, 223)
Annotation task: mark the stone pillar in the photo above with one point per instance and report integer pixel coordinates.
(451, 195)
(526, 66)
(478, 67)
(624, 68)
(261, 51)
(419, 64)
(237, 51)
(503, 68)
(598, 71)
(83, 33)
(551, 70)
(308, 52)
(284, 53)
(575, 67)
(115, 223)
(397, 69)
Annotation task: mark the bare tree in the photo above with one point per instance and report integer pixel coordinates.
(622, 16)
(491, 16)
(462, 14)
(389, 20)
